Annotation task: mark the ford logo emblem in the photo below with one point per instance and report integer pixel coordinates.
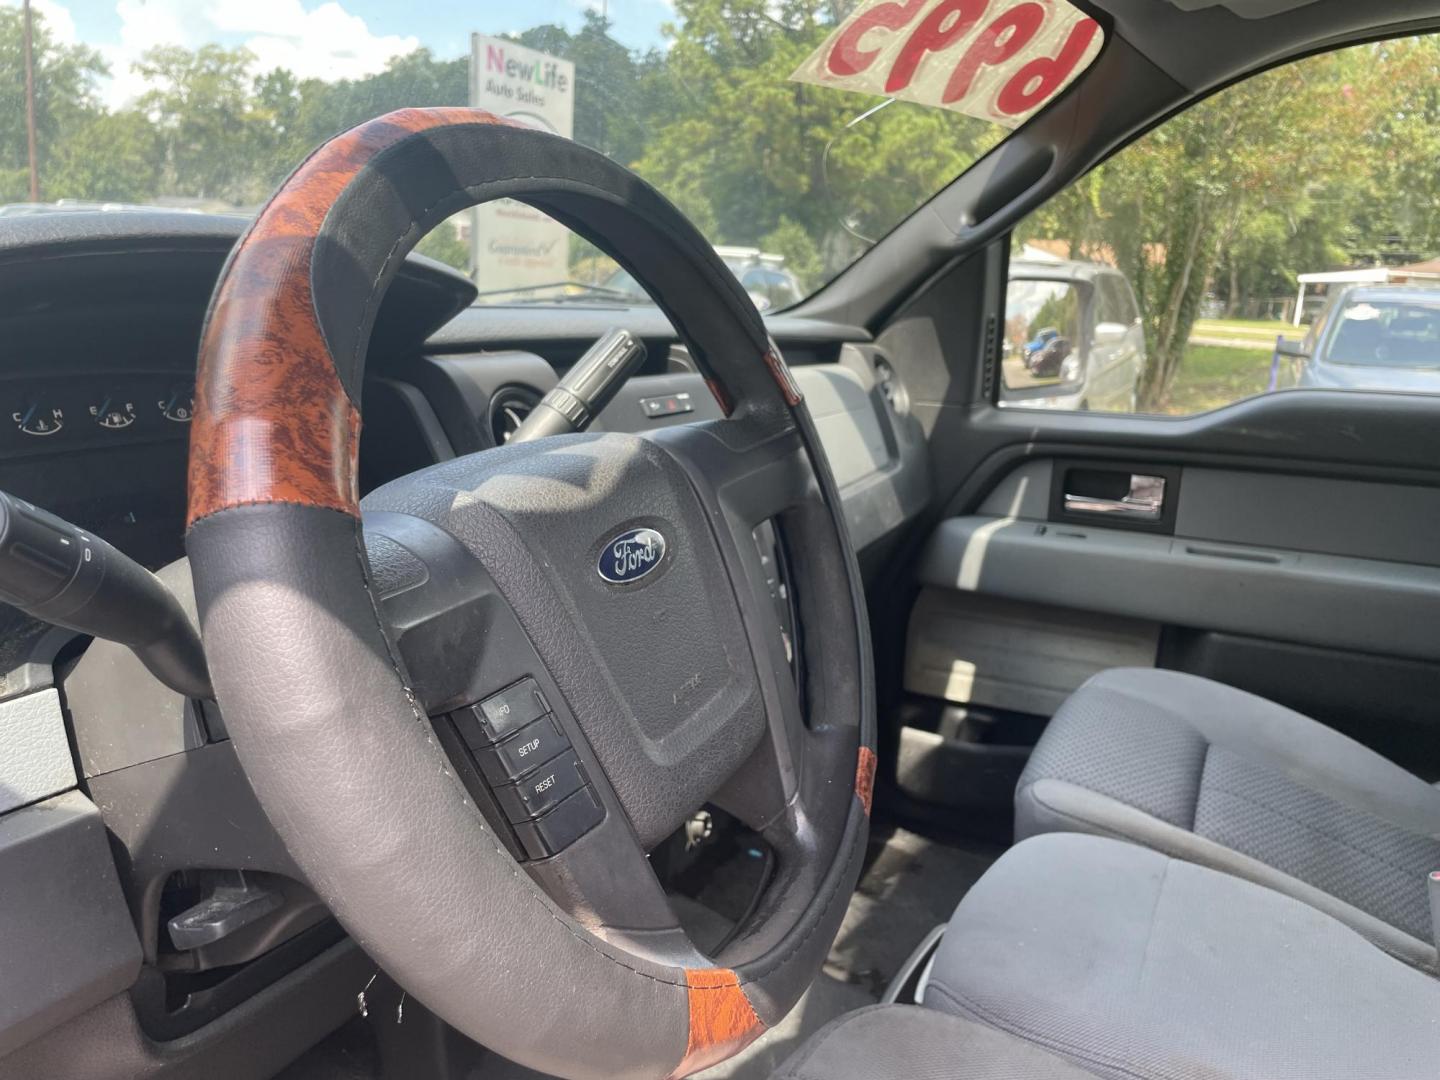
(631, 555)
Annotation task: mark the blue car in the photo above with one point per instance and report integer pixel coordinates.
(1370, 337)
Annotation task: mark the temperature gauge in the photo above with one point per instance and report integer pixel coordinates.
(180, 405)
(114, 412)
(38, 418)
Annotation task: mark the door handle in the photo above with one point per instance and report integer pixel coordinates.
(1144, 502)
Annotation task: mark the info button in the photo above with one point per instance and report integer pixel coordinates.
(501, 714)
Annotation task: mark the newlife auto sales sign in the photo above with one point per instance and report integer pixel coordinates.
(1000, 60)
(511, 244)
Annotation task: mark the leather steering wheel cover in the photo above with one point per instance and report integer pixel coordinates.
(305, 671)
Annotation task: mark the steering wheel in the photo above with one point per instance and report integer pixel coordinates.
(391, 670)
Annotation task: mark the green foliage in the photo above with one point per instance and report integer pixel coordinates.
(611, 103)
(1310, 166)
(202, 109)
(444, 243)
(128, 170)
(1213, 376)
(64, 96)
(740, 148)
(802, 256)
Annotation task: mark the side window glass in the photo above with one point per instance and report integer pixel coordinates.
(1279, 234)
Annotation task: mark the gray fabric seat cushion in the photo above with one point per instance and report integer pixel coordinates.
(1235, 782)
(1136, 965)
(905, 1042)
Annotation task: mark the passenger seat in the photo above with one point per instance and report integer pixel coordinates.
(1219, 777)
(1081, 956)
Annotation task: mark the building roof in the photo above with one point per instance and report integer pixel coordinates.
(1375, 275)
(1428, 267)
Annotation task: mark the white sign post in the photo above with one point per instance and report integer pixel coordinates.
(511, 244)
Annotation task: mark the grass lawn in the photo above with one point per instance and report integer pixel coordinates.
(1244, 327)
(1215, 375)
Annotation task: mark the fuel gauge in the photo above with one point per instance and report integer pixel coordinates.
(114, 412)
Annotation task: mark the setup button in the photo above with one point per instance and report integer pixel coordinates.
(522, 753)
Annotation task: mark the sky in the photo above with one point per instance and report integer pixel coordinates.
(332, 39)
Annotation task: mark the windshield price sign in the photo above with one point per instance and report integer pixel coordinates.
(996, 59)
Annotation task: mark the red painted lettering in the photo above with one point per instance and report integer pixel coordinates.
(1040, 78)
(947, 21)
(847, 57)
(998, 42)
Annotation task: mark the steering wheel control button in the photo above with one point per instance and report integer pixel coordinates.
(522, 753)
(501, 714)
(542, 790)
(561, 827)
(667, 405)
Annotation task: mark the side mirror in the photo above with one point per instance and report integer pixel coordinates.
(1110, 333)
(1296, 349)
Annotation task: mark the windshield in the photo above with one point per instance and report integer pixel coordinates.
(1388, 333)
(793, 134)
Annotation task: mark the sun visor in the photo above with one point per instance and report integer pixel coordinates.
(1246, 9)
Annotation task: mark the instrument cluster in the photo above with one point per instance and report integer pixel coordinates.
(72, 412)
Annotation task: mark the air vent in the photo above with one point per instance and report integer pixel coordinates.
(990, 350)
(509, 406)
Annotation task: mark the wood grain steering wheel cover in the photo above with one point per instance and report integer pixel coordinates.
(273, 500)
(277, 417)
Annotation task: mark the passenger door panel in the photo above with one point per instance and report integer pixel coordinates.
(1296, 557)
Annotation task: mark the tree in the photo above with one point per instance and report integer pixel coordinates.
(740, 148)
(281, 131)
(106, 157)
(611, 105)
(210, 132)
(1246, 172)
(64, 96)
(416, 79)
(444, 243)
(802, 254)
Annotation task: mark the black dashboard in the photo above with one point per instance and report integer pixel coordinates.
(99, 327)
(102, 317)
